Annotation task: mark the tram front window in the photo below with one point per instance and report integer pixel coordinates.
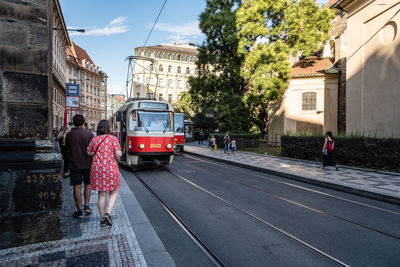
(154, 121)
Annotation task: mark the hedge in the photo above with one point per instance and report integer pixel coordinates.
(243, 140)
(360, 151)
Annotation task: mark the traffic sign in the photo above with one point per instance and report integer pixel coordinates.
(72, 89)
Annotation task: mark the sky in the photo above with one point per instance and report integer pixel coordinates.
(114, 28)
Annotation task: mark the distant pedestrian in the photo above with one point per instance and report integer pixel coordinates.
(62, 134)
(327, 150)
(55, 133)
(233, 144)
(104, 174)
(212, 143)
(79, 163)
(227, 143)
(201, 136)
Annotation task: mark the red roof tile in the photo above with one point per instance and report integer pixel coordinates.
(77, 55)
(310, 66)
(331, 3)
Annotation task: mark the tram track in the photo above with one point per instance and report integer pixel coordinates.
(297, 203)
(270, 225)
(206, 250)
(295, 186)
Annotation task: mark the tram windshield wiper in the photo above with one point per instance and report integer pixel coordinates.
(166, 126)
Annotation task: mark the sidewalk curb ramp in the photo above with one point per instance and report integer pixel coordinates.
(338, 187)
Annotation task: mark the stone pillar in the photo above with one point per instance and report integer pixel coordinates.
(30, 181)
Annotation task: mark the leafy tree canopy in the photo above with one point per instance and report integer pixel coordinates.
(268, 31)
(219, 88)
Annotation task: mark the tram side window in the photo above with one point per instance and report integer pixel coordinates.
(132, 121)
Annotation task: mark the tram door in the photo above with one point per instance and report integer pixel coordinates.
(121, 117)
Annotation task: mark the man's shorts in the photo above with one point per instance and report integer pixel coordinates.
(79, 176)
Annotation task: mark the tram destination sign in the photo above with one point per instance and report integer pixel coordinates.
(153, 105)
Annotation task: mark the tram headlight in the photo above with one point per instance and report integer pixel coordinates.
(169, 146)
(141, 146)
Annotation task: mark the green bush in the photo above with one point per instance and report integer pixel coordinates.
(360, 151)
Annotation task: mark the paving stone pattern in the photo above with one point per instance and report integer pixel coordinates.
(84, 242)
(363, 179)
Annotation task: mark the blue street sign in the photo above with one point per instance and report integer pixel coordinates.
(72, 89)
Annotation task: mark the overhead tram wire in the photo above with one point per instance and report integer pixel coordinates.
(152, 28)
(148, 37)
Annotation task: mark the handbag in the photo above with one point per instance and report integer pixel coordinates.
(325, 152)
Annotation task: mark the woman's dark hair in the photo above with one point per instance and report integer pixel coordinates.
(103, 127)
(329, 134)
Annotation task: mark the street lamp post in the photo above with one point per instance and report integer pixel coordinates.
(73, 30)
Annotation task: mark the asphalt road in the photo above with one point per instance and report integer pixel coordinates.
(247, 218)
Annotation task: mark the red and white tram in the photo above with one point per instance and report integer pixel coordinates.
(179, 128)
(146, 133)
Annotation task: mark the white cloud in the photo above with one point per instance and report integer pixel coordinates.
(117, 25)
(187, 29)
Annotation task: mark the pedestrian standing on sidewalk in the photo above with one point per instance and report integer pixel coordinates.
(201, 136)
(227, 143)
(212, 143)
(233, 143)
(327, 151)
(104, 174)
(79, 163)
(62, 134)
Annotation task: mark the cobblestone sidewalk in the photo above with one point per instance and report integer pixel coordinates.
(377, 184)
(84, 242)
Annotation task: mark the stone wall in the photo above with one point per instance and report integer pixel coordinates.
(30, 192)
(24, 69)
(30, 165)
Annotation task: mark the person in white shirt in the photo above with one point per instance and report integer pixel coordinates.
(157, 125)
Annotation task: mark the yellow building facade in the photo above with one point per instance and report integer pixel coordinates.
(162, 72)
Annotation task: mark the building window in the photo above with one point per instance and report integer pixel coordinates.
(179, 69)
(179, 57)
(161, 83)
(170, 83)
(151, 67)
(188, 59)
(309, 101)
(187, 70)
(151, 54)
(137, 95)
(160, 98)
(179, 84)
(170, 98)
(169, 68)
(196, 71)
(160, 68)
(161, 55)
(149, 95)
(142, 53)
(170, 56)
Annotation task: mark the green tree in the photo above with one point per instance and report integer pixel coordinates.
(219, 88)
(268, 32)
(184, 105)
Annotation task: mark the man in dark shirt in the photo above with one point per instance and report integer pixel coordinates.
(76, 142)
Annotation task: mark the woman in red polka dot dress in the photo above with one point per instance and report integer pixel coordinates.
(104, 173)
